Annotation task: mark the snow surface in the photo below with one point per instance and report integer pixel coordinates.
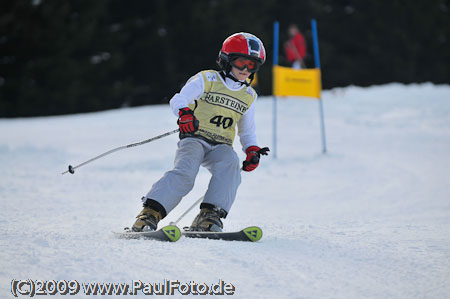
(369, 219)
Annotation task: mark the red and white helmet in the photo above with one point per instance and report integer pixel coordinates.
(241, 44)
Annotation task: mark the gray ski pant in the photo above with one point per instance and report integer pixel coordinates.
(221, 161)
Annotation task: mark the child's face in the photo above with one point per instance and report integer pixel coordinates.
(240, 75)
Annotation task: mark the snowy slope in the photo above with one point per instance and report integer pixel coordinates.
(370, 219)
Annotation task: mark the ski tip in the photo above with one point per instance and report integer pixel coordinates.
(253, 233)
(172, 232)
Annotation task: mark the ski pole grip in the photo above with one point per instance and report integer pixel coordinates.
(264, 151)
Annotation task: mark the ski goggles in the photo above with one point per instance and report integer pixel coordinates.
(241, 63)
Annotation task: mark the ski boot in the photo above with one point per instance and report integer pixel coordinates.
(148, 218)
(208, 219)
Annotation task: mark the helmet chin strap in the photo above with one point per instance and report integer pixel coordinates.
(226, 74)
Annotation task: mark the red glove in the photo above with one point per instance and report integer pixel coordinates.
(252, 160)
(187, 121)
(253, 154)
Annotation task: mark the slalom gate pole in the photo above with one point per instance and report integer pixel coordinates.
(72, 168)
(276, 29)
(317, 64)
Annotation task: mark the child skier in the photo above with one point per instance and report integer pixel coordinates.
(209, 107)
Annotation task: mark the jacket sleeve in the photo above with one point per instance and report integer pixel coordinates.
(188, 94)
(300, 45)
(247, 128)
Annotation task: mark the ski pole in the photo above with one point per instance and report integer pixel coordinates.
(72, 168)
(255, 159)
(188, 210)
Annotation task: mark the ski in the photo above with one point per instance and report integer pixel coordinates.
(169, 233)
(251, 234)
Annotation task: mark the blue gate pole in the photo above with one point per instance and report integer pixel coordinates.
(276, 30)
(317, 64)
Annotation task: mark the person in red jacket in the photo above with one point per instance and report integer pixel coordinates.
(295, 47)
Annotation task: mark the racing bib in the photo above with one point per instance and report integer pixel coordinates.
(220, 108)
